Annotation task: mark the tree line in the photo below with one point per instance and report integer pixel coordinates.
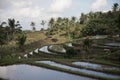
(92, 23)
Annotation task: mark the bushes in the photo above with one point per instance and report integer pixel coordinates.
(21, 41)
(112, 56)
(87, 42)
(70, 52)
(3, 36)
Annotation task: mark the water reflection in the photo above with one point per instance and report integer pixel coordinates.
(113, 44)
(36, 50)
(95, 66)
(80, 70)
(45, 49)
(27, 72)
(98, 37)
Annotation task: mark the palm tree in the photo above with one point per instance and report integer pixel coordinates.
(59, 20)
(67, 27)
(13, 26)
(6, 29)
(18, 29)
(58, 23)
(33, 26)
(51, 22)
(3, 23)
(83, 18)
(115, 7)
(43, 23)
(3, 34)
(73, 21)
(91, 15)
(73, 18)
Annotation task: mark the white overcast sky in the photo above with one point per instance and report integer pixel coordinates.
(36, 10)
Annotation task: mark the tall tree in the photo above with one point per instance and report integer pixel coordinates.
(33, 26)
(2, 35)
(67, 27)
(73, 19)
(83, 18)
(43, 23)
(91, 15)
(59, 21)
(6, 29)
(12, 25)
(115, 7)
(51, 22)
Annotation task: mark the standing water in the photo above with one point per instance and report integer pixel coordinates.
(113, 44)
(27, 72)
(95, 66)
(45, 50)
(101, 74)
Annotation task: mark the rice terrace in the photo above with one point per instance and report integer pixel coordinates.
(59, 40)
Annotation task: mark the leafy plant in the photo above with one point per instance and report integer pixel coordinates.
(21, 41)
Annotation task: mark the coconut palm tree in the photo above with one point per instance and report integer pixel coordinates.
(115, 7)
(43, 23)
(73, 20)
(91, 15)
(82, 18)
(59, 21)
(18, 29)
(6, 29)
(67, 27)
(13, 26)
(33, 26)
(3, 23)
(51, 22)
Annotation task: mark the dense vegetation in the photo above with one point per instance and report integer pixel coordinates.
(7, 32)
(93, 23)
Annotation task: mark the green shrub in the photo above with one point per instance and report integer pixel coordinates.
(21, 41)
(70, 52)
